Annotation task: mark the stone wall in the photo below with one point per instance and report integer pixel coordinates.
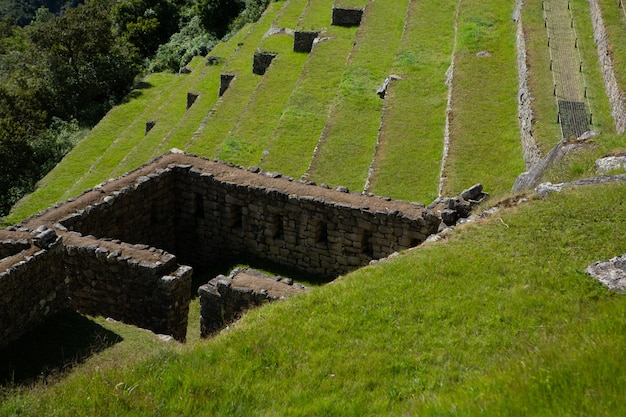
(206, 219)
(33, 286)
(131, 283)
(224, 299)
(262, 61)
(531, 152)
(303, 41)
(312, 233)
(346, 16)
(206, 213)
(617, 98)
(13, 243)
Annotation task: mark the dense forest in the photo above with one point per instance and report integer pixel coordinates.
(64, 64)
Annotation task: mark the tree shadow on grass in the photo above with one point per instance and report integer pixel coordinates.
(52, 349)
(137, 92)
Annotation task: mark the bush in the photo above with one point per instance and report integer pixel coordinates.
(192, 40)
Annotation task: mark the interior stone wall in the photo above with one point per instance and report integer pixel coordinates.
(131, 283)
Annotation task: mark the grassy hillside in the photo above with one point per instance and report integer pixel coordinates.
(497, 319)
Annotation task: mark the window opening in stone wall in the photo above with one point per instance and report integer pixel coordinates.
(321, 236)
(236, 217)
(366, 243)
(279, 229)
(199, 206)
(154, 214)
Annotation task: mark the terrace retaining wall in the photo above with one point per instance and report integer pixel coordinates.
(617, 98)
(531, 152)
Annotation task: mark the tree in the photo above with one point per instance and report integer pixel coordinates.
(218, 14)
(87, 67)
(146, 23)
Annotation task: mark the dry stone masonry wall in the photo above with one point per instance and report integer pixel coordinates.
(224, 299)
(206, 212)
(617, 98)
(346, 16)
(32, 282)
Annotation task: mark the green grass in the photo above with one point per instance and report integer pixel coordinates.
(512, 327)
(182, 133)
(484, 133)
(293, 141)
(408, 158)
(249, 141)
(216, 127)
(546, 129)
(166, 116)
(347, 144)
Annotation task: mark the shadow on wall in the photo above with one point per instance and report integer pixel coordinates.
(53, 349)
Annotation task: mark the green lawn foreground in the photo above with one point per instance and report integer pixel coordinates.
(408, 158)
(53, 187)
(512, 327)
(485, 142)
(209, 137)
(348, 142)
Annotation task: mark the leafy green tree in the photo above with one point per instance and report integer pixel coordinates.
(16, 162)
(146, 23)
(87, 67)
(217, 15)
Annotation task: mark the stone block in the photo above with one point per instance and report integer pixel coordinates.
(225, 80)
(346, 16)
(262, 61)
(303, 41)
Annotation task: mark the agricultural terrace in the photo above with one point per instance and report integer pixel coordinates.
(449, 118)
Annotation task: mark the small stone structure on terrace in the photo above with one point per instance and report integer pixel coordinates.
(224, 299)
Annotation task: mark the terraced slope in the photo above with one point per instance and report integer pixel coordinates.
(209, 138)
(411, 136)
(293, 142)
(317, 115)
(484, 137)
(348, 142)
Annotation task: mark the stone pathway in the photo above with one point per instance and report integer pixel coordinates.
(566, 66)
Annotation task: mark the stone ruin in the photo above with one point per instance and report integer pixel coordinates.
(303, 41)
(191, 98)
(125, 249)
(346, 16)
(149, 126)
(262, 61)
(225, 299)
(225, 80)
